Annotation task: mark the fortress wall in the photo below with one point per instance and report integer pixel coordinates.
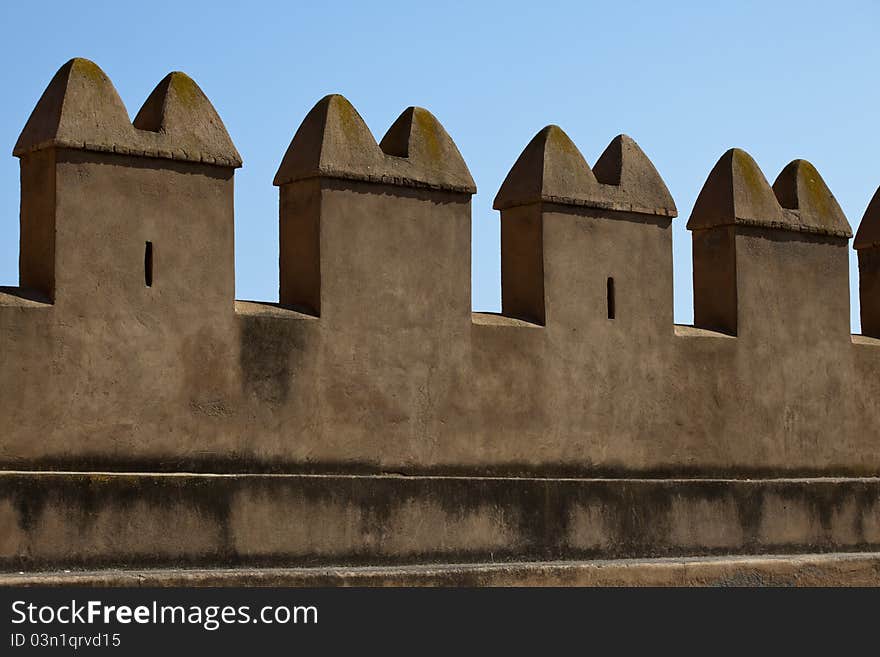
(372, 361)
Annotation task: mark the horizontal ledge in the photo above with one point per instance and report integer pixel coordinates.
(179, 155)
(599, 204)
(112, 475)
(832, 568)
(381, 179)
(775, 225)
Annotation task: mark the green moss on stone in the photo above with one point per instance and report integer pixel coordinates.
(185, 90)
(428, 131)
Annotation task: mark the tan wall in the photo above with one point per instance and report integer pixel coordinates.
(386, 369)
(396, 375)
(366, 417)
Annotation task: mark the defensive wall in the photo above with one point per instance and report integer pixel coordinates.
(370, 417)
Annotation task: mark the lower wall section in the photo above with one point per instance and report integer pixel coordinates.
(89, 520)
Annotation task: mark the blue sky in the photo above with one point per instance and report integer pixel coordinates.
(686, 80)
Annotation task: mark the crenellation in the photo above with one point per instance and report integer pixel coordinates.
(584, 371)
(370, 416)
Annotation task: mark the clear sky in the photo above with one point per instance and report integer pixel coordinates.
(687, 80)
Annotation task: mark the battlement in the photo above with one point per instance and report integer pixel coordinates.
(373, 360)
(124, 350)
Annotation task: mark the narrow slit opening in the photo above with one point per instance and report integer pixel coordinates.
(148, 264)
(610, 297)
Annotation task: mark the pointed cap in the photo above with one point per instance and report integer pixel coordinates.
(79, 109)
(550, 169)
(333, 141)
(736, 193)
(431, 157)
(624, 165)
(800, 189)
(868, 235)
(179, 109)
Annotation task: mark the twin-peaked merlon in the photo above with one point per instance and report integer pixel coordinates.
(368, 229)
(564, 235)
(81, 110)
(756, 247)
(737, 193)
(91, 179)
(551, 169)
(333, 141)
